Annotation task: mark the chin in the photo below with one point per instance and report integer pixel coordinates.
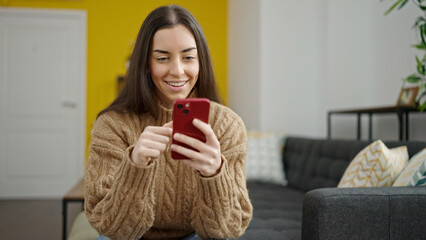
(174, 98)
(179, 96)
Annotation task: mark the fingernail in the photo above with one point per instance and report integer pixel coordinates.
(196, 120)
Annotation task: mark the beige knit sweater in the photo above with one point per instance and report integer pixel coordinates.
(167, 199)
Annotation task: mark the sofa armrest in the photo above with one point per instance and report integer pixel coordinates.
(364, 213)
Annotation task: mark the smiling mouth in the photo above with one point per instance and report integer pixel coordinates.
(176, 84)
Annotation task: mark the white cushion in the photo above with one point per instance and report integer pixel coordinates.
(264, 157)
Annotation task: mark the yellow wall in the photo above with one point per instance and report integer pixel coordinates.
(113, 26)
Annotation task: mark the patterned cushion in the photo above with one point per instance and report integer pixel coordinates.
(414, 174)
(375, 166)
(264, 155)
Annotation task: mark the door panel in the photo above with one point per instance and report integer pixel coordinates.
(38, 154)
(42, 108)
(36, 70)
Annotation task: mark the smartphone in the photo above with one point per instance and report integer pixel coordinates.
(184, 112)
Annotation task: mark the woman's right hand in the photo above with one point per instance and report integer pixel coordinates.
(151, 143)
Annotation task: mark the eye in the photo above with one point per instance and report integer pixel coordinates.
(189, 58)
(161, 59)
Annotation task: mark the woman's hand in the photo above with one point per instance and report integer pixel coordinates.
(151, 143)
(208, 160)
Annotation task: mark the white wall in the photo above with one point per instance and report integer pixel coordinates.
(292, 36)
(292, 61)
(244, 59)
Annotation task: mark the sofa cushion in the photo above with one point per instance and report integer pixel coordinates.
(277, 212)
(414, 173)
(263, 162)
(317, 163)
(364, 213)
(375, 166)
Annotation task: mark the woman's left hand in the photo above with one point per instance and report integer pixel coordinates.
(208, 160)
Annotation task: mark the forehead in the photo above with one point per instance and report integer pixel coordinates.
(178, 37)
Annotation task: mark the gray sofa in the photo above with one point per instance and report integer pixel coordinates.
(311, 207)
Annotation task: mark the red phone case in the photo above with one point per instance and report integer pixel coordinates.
(184, 112)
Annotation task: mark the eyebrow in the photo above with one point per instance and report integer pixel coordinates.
(166, 52)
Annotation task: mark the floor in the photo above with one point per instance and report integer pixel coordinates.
(34, 219)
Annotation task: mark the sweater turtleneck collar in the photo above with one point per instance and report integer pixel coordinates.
(165, 114)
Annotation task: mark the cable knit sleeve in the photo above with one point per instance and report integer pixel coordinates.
(118, 194)
(222, 207)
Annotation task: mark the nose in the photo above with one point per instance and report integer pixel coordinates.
(177, 68)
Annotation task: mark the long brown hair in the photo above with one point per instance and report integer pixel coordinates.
(138, 94)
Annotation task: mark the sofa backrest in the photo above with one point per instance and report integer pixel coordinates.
(317, 163)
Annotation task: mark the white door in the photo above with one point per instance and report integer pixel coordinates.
(42, 101)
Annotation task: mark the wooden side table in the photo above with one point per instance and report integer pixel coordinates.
(402, 113)
(76, 194)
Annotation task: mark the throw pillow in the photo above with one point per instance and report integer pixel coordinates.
(264, 157)
(375, 166)
(414, 174)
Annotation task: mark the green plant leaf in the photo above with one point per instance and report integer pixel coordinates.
(413, 78)
(418, 61)
(420, 66)
(422, 107)
(422, 95)
(402, 4)
(393, 6)
(422, 89)
(419, 70)
(422, 33)
(419, 20)
(420, 46)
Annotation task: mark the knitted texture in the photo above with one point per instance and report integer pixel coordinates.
(167, 199)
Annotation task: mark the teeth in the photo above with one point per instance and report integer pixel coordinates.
(176, 84)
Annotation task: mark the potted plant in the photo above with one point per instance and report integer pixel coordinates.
(418, 78)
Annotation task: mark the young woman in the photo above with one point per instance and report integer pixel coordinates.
(133, 188)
